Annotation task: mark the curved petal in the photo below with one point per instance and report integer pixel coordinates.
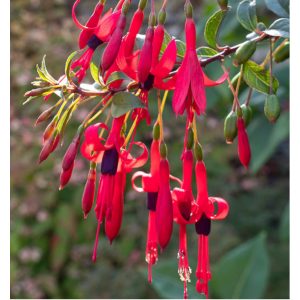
(223, 209)
(107, 25)
(88, 152)
(166, 63)
(134, 177)
(91, 135)
(208, 82)
(165, 85)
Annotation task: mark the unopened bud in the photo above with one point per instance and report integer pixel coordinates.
(247, 114)
(37, 92)
(44, 115)
(188, 9)
(162, 16)
(125, 7)
(142, 4)
(152, 20)
(71, 153)
(230, 127)
(50, 129)
(272, 108)
(65, 176)
(244, 52)
(163, 151)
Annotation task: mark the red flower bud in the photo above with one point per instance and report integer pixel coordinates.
(44, 115)
(164, 208)
(111, 51)
(244, 150)
(65, 176)
(48, 147)
(71, 153)
(145, 60)
(89, 192)
(49, 129)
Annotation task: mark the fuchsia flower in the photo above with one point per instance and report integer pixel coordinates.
(116, 161)
(190, 78)
(244, 150)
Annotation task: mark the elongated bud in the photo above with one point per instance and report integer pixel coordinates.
(188, 9)
(142, 4)
(156, 131)
(44, 115)
(162, 15)
(230, 127)
(198, 151)
(247, 113)
(125, 7)
(71, 153)
(190, 139)
(49, 146)
(89, 191)
(223, 4)
(244, 150)
(272, 108)
(38, 91)
(65, 176)
(163, 150)
(244, 52)
(50, 129)
(145, 61)
(283, 53)
(152, 20)
(111, 51)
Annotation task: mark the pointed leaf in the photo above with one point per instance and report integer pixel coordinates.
(68, 65)
(258, 78)
(123, 102)
(280, 27)
(212, 28)
(246, 14)
(206, 52)
(243, 272)
(94, 72)
(116, 76)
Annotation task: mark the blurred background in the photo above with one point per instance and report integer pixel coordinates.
(51, 244)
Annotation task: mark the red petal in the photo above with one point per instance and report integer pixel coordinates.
(158, 38)
(223, 209)
(107, 25)
(209, 82)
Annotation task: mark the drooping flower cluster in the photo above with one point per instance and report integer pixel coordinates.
(123, 80)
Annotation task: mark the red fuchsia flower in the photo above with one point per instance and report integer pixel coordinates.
(203, 226)
(244, 150)
(94, 33)
(116, 161)
(190, 78)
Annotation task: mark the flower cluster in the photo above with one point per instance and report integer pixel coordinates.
(132, 64)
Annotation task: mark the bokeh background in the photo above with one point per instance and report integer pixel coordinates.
(51, 244)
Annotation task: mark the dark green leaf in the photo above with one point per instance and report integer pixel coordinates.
(246, 14)
(116, 76)
(212, 28)
(258, 78)
(206, 52)
(94, 72)
(284, 227)
(123, 102)
(279, 7)
(265, 138)
(280, 27)
(243, 272)
(68, 64)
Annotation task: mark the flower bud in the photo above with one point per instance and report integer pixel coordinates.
(223, 4)
(188, 9)
(65, 176)
(142, 4)
(50, 129)
(71, 153)
(247, 113)
(230, 127)
(282, 53)
(89, 191)
(244, 150)
(44, 115)
(49, 146)
(244, 52)
(162, 16)
(272, 108)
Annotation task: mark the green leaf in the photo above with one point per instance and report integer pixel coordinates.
(94, 72)
(180, 48)
(246, 14)
(280, 27)
(206, 52)
(116, 76)
(180, 45)
(243, 272)
(284, 227)
(123, 102)
(68, 65)
(95, 87)
(212, 28)
(45, 71)
(258, 78)
(279, 7)
(265, 138)
(166, 281)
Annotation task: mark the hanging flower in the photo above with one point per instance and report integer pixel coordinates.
(244, 150)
